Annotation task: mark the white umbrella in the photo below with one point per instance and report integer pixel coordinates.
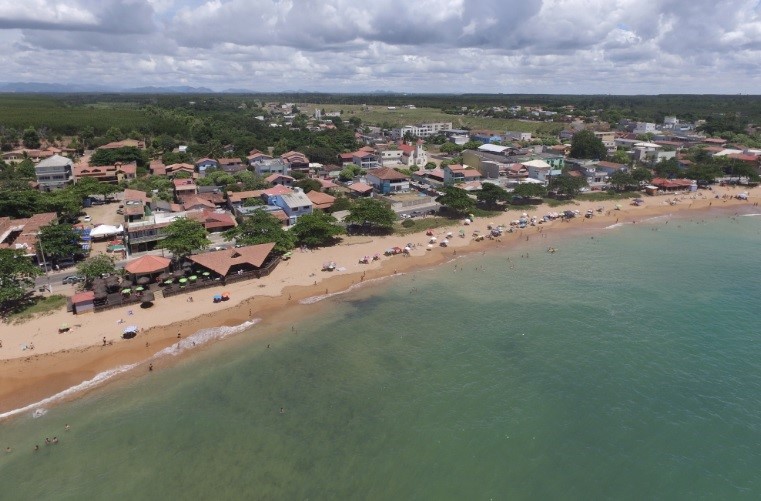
(430, 246)
(432, 240)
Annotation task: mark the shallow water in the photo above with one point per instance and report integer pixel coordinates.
(624, 366)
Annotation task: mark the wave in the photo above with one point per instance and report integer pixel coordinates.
(195, 340)
(612, 226)
(662, 217)
(321, 297)
(38, 407)
(203, 337)
(750, 215)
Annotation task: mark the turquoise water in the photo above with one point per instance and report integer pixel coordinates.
(625, 366)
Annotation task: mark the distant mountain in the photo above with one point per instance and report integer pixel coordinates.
(36, 87)
(179, 89)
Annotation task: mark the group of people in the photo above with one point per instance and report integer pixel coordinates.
(48, 441)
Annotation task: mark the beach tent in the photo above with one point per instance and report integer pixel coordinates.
(130, 332)
(106, 230)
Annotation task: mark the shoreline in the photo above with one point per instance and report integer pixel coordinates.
(67, 366)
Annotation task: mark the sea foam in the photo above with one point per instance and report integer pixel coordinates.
(195, 340)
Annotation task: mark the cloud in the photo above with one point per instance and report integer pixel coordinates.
(578, 46)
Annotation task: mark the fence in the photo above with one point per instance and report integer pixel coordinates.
(173, 290)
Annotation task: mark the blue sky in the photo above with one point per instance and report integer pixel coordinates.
(509, 46)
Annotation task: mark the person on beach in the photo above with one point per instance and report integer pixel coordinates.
(67, 427)
(55, 440)
(47, 441)
(104, 340)
(36, 448)
(282, 410)
(150, 367)
(8, 450)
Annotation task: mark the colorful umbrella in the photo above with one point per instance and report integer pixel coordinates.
(140, 289)
(126, 291)
(183, 280)
(193, 277)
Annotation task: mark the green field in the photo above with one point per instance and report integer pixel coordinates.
(62, 117)
(376, 115)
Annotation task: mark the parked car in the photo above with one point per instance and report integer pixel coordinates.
(72, 279)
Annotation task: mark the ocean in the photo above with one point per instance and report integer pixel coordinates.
(627, 365)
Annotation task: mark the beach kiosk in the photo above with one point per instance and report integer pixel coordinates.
(83, 302)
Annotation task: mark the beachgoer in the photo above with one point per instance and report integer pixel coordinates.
(36, 447)
(9, 450)
(67, 427)
(104, 340)
(146, 344)
(55, 440)
(268, 347)
(150, 367)
(47, 441)
(129, 312)
(179, 335)
(282, 411)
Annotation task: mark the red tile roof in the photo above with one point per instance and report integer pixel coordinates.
(147, 264)
(387, 174)
(221, 261)
(321, 200)
(83, 297)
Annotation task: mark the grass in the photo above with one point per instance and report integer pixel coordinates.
(376, 115)
(37, 305)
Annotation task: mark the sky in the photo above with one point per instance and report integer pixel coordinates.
(430, 46)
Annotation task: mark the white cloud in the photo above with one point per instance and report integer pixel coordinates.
(576, 46)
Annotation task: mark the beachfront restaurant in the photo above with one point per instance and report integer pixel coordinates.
(252, 261)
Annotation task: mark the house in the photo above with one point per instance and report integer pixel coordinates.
(144, 235)
(265, 166)
(365, 158)
(671, 185)
(256, 155)
(296, 161)
(517, 136)
(386, 180)
(238, 198)
(610, 167)
(538, 169)
(157, 167)
(460, 174)
(280, 179)
(515, 171)
(174, 169)
(327, 184)
(35, 155)
(22, 234)
(195, 202)
(111, 174)
(294, 204)
(360, 189)
(321, 200)
(204, 164)
(231, 165)
(184, 187)
(54, 172)
(83, 302)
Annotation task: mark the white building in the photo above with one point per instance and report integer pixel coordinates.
(644, 128)
(518, 136)
(421, 130)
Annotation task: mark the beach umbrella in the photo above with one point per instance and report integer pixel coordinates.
(148, 297)
(178, 274)
(205, 273)
(432, 240)
(64, 327)
(163, 277)
(217, 297)
(126, 291)
(429, 246)
(143, 280)
(183, 280)
(193, 277)
(140, 288)
(167, 282)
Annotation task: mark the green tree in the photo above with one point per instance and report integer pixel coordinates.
(586, 145)
(667, 168)
(114, 134)
(450, 148)
(429, 166)
(567, 185)
(342, 203)
(30, 138)
(621, 157)
(457, 200)
(491, 195)
(184, 236)
(308, 184)
(261, 227)
(642, 175)
(621, 180)
(17, 274)
(472, 145)
(372, 213)
(59, 241)
(95, 267)
(530, 190)
(317, 229)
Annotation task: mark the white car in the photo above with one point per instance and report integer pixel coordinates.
(87, 219)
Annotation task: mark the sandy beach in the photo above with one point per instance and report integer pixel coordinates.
(60, 361)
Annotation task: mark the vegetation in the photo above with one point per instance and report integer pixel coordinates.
(456, 200)
(566, 185)
(492, 195)
(17, 274)
(260, 228)
(371, 214)
(530, 190)
(183, 237)
(96, 267)
(318, 229)
(586, 145)
(32, 306)
(59, 241)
